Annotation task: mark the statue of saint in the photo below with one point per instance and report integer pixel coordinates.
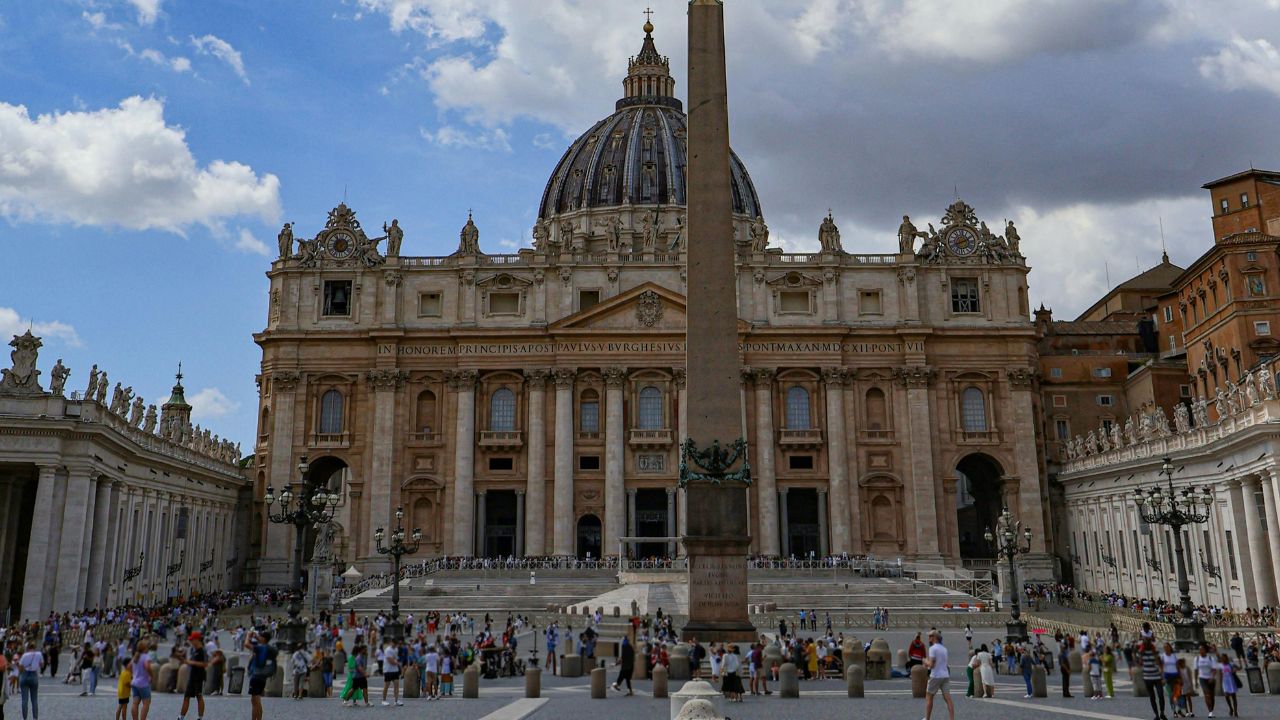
(759, 235)
(100, 395)
(285, 240)
(58, 377)
(1265, 387)
(469, 238)
(324, 541)
(1011, 236)
(394, 237)
(136, 412)
(829, 235)
(540, 235)
(907, 234)
(93, 383)
(149, 424)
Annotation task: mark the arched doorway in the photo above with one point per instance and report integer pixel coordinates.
(327, 472)
(979, 500)
(589, 536)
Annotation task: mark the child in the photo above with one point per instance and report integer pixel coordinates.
(1230, 685)
(446, 675)
(1095, 674)
(1183, 690)
(122, 692)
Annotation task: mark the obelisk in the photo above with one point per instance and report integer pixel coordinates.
(713, 466)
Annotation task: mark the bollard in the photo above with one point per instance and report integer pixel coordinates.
(919, 681)
(695, 693)
(1273, 678)
(901, 659)
(855, 677)
(660, 681)
(411, 682)
(184, 676)
(698, 709)
(533, 682)
(851, 652)
(1039, 681)
(788, 681)
(340, 663)
(167, 678)
(471, 681)
(571, 666)
(878, 660)
(597, 683)
(679, 659)
(1086, 684)
(213, 678)
(1075, 661)
(275, 683)
(315, 683)
(1139, 684)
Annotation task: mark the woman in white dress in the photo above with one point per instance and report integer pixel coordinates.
(986, 672)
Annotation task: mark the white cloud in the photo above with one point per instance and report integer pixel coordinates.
(545, 141)
(210, 403)
(147, 10)
(1244, 64)
(97, 20)
(177, 64)
(448, 136)
(11, 323)
(222, 50)
(120, 166)
(248, 243)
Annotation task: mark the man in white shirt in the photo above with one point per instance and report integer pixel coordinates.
(431, 664)
(939, 676)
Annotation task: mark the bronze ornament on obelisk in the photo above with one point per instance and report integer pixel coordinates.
(713, 461)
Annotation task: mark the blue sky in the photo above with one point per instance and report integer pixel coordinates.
(150, 149)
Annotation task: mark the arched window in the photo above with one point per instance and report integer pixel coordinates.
(650, 408)
(331, 412)
(877, 410)
(797, 408)
(502, 410)
(426, 411)
(973, 410)
(589, 412)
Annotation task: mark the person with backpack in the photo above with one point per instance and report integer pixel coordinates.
(358, 669)
(262, 666)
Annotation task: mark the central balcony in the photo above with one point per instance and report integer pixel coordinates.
(650, 438)
(502, 439)
(330, 440)
(806, 438)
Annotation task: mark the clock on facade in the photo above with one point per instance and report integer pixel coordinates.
(340, 245)
(962, 241)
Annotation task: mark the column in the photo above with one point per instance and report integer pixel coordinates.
(562, 502)
(671, 521)
(384, 382)
(282, 471)
(950, 544)
(682, 417)
(520, 523)
(834, 380)
(1263, 575)
(76, 519)
(86, 534)
(920, 433)
(824, 547)
(783, 528)
(614, 445)
(765, 471)
(1269, 479)
(480, 549)
(40, 552)
(534, 518)
(1030, 506)
(463, 384)
(99, 554)
(631, 512)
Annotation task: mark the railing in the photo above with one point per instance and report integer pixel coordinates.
(425, 261)
(803, 438)
(504, 259)
(980, 589)
(588, 436)
(877, 434)
(797, 257)
(880, 259)
(501, 438)
(330, 439)
(651, 438)
(980, 436)
(424, 438)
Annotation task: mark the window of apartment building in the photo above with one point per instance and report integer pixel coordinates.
(1257, 287)
(1244, 200)
(797, 408)
(1055, 372)
(1261, 327)
(869, 302)
(1062, 429)
(588, 299)
(1251, 256)
(331, 408)
(650, 408)
(1102, 372)
(964, 295)
(1168, 313)
(1105, 400)
(1184, 391)
(1223, 203)
(429, 305)
(1059, 400)
(337, 297)
(1173, 343)
(502, 410)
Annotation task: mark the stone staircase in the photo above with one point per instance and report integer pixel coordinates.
(494, 591)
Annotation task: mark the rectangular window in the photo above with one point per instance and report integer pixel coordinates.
(1059, 400)
(800, 462)
(1106, 426)
(588, 299)
(589, 416)
(964, 295)
(588, 462)
(1102, 372)
(337, 297)
(1173, 343)
(1251, 256)
(1063, 429)
(1055, 372)
(1105, 400)
(1168, 313)
(1231, 557)
(793, 301)
(1208, 548)
(1184, 391)
(504, 303)
(1124, 557)
(1225, 205)
(869, 302)
(1244, 200)
(1137, 551)
(501, 464)
(429, 305)
(1261, 327)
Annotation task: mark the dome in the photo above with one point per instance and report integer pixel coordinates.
(637, 155)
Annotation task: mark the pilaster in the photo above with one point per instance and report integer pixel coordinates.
(563, 518)
(463, 385)
(614, 500)
(534, 518)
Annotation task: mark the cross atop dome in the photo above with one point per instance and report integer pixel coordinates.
(648, 80)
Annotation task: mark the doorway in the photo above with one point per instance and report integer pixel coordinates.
(802, 523)
(500, 523)
(589, 537)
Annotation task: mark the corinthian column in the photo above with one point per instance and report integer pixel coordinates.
(925, 522)
(834, 379)
(463, 384)
(562, 503)
(1269, 479)
(40, 560)
(1030, 503)
(535, 504)
(384, 382)
(614, 444)
(1263, 576)
(766, 477)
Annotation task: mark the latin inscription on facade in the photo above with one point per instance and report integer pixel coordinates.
(718, 584)
(651, 463)
(569, 348)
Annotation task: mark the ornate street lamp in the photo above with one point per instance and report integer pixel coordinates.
(136, 570)
(171, 570)
(1151, 561)
(1213, 571)
(1177, 509)
(1005, 541)
(394, 630)
(314, 506)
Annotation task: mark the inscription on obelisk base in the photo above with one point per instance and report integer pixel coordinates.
(714, 468)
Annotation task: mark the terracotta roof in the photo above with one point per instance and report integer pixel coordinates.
(1160, 277)
(1093, 327)
(1262, 174)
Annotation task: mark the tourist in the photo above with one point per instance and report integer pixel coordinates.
(391, 674)
(1152, 676)
(197, 659)
(553, 639)
(1026, 664)
(262, 667)
(358, 674)
(140, 683)
(1172, 679)
(939, 677)
(299, 664)
(1184, 690)
(968, 636)
(986, 671)
(326, 671)
(915, 653)
(431, 668)
(715, 654)
(29, 667)
(1206, 665)
(1064, 666)
(732, 685)
(445, 685)
(997, 654)
(1095, 674)
(1109, 670)
(626, 663)
(124, 683)
(696, 653)
(1230, 684)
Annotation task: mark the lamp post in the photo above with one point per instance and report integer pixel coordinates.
(394, 630)
(171, 570)
(314, 506)
(1005, 541)
(1176, 509)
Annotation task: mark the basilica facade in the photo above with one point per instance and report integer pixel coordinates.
(533, 403)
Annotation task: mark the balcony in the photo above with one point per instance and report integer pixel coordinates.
(978, 437)
(800, 438)
(650, 438)
(589, 436)
(330, 440)
(424, 439)
(501, 439)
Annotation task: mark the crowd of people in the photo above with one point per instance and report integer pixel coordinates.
(1151, 608)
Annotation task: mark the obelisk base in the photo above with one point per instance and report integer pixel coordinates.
(718, 565)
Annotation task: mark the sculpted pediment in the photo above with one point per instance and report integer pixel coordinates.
(647, 307)
(794, 279)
